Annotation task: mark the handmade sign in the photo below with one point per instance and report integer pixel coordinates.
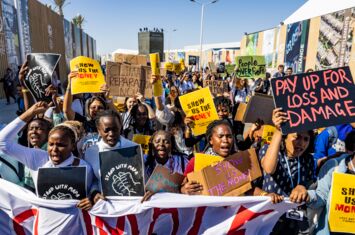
(260, 106)
(199, 106)
(39, 77)
(192, 60)
(62, 183)
(341, 208)
(212, 67)
(90, 77)
(231, 177)
(127, 80)
(122, 172)
(155, 65)
(250, 67)
(130, 59)
(162, 180)
(182, 64)
(268, 132)
(143, 140)
(204, 160)
(217, 87)
(317, 99)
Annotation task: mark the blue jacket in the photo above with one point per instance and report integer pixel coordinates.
(324, 148)
(321, 196)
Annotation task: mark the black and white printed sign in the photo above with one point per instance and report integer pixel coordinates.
(62, 183)
(122, 172)
(41, 67)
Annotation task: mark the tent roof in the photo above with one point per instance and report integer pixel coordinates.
(314, 8)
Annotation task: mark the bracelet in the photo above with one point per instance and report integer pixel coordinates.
(24, 90)
(263, 193)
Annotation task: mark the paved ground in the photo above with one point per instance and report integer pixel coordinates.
(7, 112)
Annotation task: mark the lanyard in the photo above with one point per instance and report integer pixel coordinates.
(289, 172)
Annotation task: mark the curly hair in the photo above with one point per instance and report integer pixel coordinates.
(210, 130)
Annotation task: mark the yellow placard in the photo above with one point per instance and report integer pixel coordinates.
(177, 68)
(342, 203)
(90, 77)
(155, 63)
(268, 132)
(199, 106)
(143, 140)
(169, 66)
(182, 64)
(204, 160)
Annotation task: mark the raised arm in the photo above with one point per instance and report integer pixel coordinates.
(30, 157)
(269, 161)
(27, 98)
(68, 98)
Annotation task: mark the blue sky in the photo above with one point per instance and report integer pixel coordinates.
(115, 23)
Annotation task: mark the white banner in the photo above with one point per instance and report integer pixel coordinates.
(21, 212)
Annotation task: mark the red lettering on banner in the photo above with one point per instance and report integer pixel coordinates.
(349, 108)
(120, 225)
(158, 212)
(18, 219)
(242, 217)
(201, 116)
(197, 221)
(87, 221)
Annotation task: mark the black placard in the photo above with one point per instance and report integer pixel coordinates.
(317, 99)
(39, 76)
(192, 60)
(122, 172)
(260, 106)
(62, 183)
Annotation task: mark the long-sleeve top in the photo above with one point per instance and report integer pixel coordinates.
(320, 197)
(31, 157)
(92, 157)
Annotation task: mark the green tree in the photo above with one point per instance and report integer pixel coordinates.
(78, 21)
(60, 4)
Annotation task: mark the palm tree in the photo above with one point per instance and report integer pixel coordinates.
(59, 4)
(78, 21)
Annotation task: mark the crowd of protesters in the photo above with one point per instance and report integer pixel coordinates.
(73, 129)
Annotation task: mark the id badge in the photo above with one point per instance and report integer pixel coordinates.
(295, 214)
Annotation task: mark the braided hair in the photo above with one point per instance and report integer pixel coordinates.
(210, 130)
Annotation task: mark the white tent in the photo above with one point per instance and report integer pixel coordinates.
(314, 8)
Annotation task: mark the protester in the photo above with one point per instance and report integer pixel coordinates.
(331, 143)
(288, 169)
(109, 126)
(321, 196)
(129, 103)
(289, 71)
(61, 143)
(280, 71)
(9, 85)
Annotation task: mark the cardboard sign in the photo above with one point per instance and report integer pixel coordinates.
(205, 160)
(62, 183)
(341, 207)
(216, 87)
(239, 116)
(260, 106)
(143, 140)
(126, 80)
(199, 106)
(162, 180)
(250, 67)
(212, 67)
(90, 77)
(192, 60)
(122, 172)
(268, 132)
(130, 59)
(317, 99)
(39, 77)
(231, 177)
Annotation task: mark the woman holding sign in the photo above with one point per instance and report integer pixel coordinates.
(61, 143)
(288, 169)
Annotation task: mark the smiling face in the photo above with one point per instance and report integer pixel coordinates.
(296, 143)
(222, 140)
(109, 129)
(59, 147)
(37, 133)
(130, 103)
(162, 145)
(95, 107)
